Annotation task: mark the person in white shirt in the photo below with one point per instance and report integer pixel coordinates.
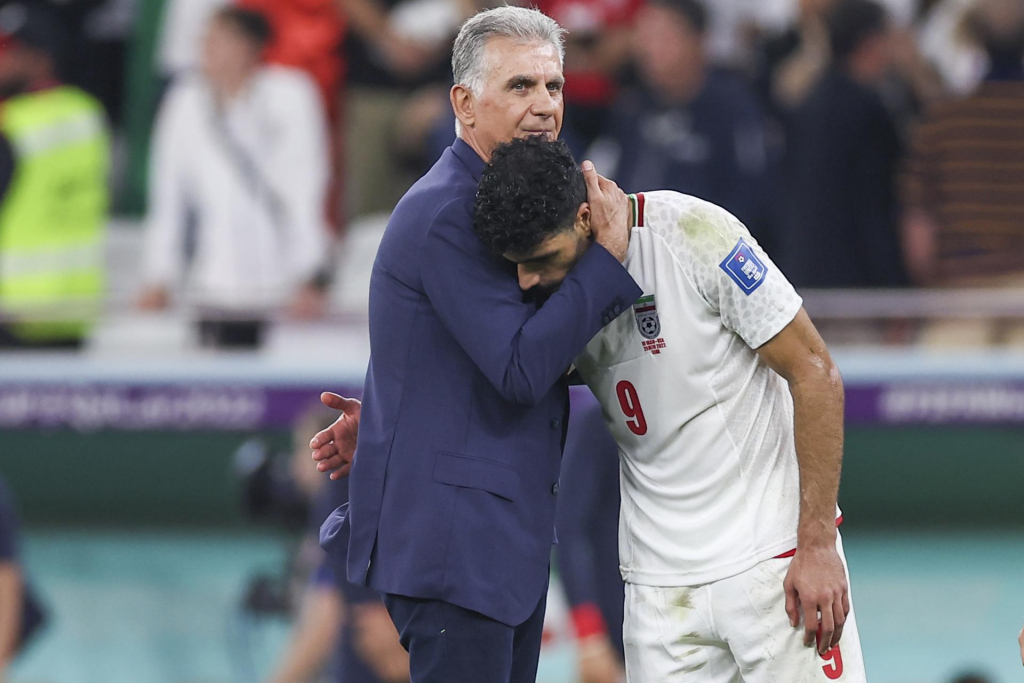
(728, 413)
(240, 150)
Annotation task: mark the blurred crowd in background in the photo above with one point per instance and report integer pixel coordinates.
(244, 150)
(865, 144)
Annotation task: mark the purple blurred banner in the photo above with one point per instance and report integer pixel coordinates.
(249, 407)
(936, 403)
(215, 407)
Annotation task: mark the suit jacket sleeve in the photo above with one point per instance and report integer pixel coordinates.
(521, 352)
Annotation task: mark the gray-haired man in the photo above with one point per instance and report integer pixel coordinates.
(454, 485)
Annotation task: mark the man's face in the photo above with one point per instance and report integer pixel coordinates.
(522, 93)
(546, 266)
(669, 52)
(228, 54)
(876, 55)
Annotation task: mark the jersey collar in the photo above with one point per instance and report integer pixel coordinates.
(636, 210)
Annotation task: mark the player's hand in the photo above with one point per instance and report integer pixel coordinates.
(334, 447)
(1020, 640)
(376, 641)
(816, 584)
(598, 662)
(609, 212)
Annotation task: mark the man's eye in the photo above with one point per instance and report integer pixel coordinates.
(519, 87)
(555, 87)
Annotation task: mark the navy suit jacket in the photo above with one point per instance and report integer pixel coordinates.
(454, 482)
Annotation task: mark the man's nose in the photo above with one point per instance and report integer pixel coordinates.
(545, 104)
(527, 281)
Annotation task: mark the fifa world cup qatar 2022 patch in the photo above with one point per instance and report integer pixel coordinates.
(647, 321)
(744, 268)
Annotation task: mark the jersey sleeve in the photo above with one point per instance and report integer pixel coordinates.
(727, 266)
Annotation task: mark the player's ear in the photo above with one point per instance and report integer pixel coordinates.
(463, 105)
(583, 219)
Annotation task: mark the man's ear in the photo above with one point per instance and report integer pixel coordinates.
(583, 219)
(464, 105)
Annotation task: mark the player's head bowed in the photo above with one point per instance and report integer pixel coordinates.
(531, 207)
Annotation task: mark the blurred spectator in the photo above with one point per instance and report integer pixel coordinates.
(596, 50)
(393, 47)
(95, 36)
(689, 128)
(842, 163)
(242, 151)
(339, 628)
(737, 27)
(20, 613)
(54, 157)
(307, 35)
(965, 183)
(425, 128)
(791, 63)
(349, 626)
(184, 23)
(587, 554)
(945, 43)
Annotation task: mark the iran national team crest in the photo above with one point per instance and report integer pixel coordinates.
(647, 321)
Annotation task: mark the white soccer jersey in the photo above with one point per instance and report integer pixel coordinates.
(710, 484)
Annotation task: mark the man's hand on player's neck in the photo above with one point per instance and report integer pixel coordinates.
(609, 212)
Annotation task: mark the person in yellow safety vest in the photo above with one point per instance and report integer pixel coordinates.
(54, 158)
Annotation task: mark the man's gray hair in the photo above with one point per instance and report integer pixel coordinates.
(469, 66)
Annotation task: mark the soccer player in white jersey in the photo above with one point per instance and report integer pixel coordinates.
(727, 410)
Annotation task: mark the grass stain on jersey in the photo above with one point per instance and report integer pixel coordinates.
(682, 599)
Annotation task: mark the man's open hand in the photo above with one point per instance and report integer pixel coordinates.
(816, 583)
(609, 212)
(334, 447)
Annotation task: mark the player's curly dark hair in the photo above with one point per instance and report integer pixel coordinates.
(530, 190)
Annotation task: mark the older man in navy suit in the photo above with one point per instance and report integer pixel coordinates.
(462, 425)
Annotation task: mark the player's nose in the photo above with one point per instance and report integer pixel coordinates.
(527, 280)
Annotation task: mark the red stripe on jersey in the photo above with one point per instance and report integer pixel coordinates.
(791, 553)
(640, 210)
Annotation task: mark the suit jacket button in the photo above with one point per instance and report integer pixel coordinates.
(556, 423)
(554, 488)
(616, 309)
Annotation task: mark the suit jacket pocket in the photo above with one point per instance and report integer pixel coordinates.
(476, 473)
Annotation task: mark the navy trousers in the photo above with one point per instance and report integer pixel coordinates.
(449, 644)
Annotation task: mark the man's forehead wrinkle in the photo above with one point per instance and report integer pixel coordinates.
(540, 67)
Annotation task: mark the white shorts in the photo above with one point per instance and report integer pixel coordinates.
(731, 631)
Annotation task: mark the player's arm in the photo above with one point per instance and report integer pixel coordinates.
(817, 579)
(756, 301)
